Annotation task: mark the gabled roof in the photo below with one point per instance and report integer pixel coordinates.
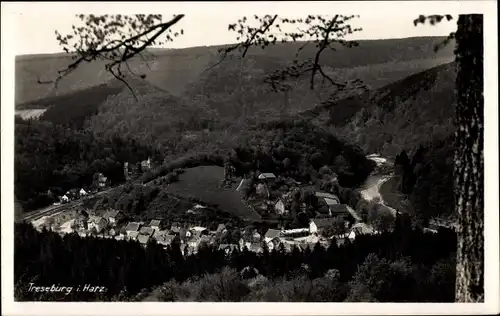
(322, 222)
(331, 202)
(267, 175)
(134, 234)
(133, 226)
(155, 222)
(111, 213)
(95, 219)
(221, 227)
(143, 239)
(339, 209)
(326, 195)
(362, 228)
(272, 233)
(145, 230)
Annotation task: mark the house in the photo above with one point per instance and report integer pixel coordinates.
(146, 164)
(73, 194)
(65, 199)
(97, 222)
(267, 177)
(198, 229)
(221, 228)
(164, 239)
(360, 229)
(228, 248)
(82, 192)
(145, 230)
(101, 180)
(279, 206)
(114, 216)
(273, 243)
(318, 224)
(143, 239)
(155, 224)
(341, 210)
(81, 220)
(132, 227)
(271, 234)
(133, 235)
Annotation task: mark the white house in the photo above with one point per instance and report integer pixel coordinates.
(317, 224)
(65, 199)
(83, 192)
(146, 164)
(279, 206)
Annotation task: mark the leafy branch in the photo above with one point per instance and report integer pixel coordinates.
(113, 38)
(433, 20)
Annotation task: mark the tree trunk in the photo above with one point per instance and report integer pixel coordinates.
(469, 159)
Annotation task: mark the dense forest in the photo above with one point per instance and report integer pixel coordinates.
(403, 266)
(57, 158)
(426, 178)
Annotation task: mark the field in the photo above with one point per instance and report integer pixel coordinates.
(204, 183)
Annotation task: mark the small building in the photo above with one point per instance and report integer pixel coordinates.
(81, 220)
(198, 229)
(73, 194)
(267, 177)
(318, 224)
(163, 238)
(101, 180)
(155, 224)
(133, 235)
(146, 164)
(65, 199)
(82, 192)
(360, 229)
(114, 216)
(273, 243)
(256, 247)
(132, 227)
(97, 222)
(279, 206)
(145, 230)
(143, 239)
(271, 234)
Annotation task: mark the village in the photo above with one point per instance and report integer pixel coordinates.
(334, 221)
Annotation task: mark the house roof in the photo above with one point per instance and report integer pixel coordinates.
(221, 227)
(145, 230)
(111, 213)
(155, 222)
(143, 239)
(362, 228)
(339, 209)
(164, 238)
(134, 234)
(198, 228)
(272, 233)
(326, 195)
(322, 222)
(95, 219)
(133, 226)
(331, 202)
(267, 175)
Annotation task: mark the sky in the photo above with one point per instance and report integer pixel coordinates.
(206, 23)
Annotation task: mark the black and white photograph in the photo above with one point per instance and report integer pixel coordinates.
(284, 152)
